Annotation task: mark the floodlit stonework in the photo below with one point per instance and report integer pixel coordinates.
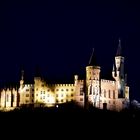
(94, 91)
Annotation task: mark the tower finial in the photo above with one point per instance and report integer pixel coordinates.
(92, 61)
(119, 50)
(22, 75)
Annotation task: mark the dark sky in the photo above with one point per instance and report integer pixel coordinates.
(59, 37)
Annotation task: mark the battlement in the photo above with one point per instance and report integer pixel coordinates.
(107, 81)
(28, 85)
(81, 81)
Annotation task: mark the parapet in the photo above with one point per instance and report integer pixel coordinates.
(107, 81)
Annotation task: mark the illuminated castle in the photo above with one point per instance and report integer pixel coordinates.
(93, 91)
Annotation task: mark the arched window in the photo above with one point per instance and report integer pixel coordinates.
(108, 93)
(105, 93)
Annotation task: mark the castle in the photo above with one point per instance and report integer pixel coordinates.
(94, 91)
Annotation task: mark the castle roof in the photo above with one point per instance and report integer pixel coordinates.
(119, 50)
(93, 61)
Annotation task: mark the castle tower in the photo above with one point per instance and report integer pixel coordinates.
(93, 79)
(118, 72)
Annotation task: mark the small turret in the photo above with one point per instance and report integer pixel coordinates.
(22, 78)
(118, 74)
(75, 79)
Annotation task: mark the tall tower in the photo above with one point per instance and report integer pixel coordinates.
(93, 79)
(118, 72)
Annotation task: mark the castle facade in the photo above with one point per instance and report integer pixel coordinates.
(93, 91)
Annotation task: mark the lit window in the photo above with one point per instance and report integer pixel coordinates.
(27, 95)
(7, 97)
(27, 101)
(109, 94)
(104, 93)
(27, 89)
(113, 94)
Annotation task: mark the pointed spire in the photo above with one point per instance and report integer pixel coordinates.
(92, 61)
(125, 79)
(113, 68)
(22, 75)
(119, 50)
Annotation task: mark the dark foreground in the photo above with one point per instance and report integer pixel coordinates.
(72, 120)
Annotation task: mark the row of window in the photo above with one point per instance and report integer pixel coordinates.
(27, 95)
(29, 90)
(48, 90)
(62, 95)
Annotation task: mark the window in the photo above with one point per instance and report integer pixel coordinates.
(56, 95)
(67, 90)
(32, 95)
(109, 94)
(27, 101)
(81, 92)
(66, 95)
(27, 95)
(114, 102)
(61, 95)
(57, 89)
(71, 89)
(32, 100)
(81, 99)
(48, 95)
(7, 97)
(56, 101)
(48, 90)
(62, 90)
(113, 94)
(105, 93)
(42, 85)
(44, 92)
(43, 97)
(37, 89)
(36, 94)
(27, 89)
(32, 89)
(62, 100)
(71, 95)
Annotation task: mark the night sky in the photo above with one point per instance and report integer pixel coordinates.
(58, 37)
